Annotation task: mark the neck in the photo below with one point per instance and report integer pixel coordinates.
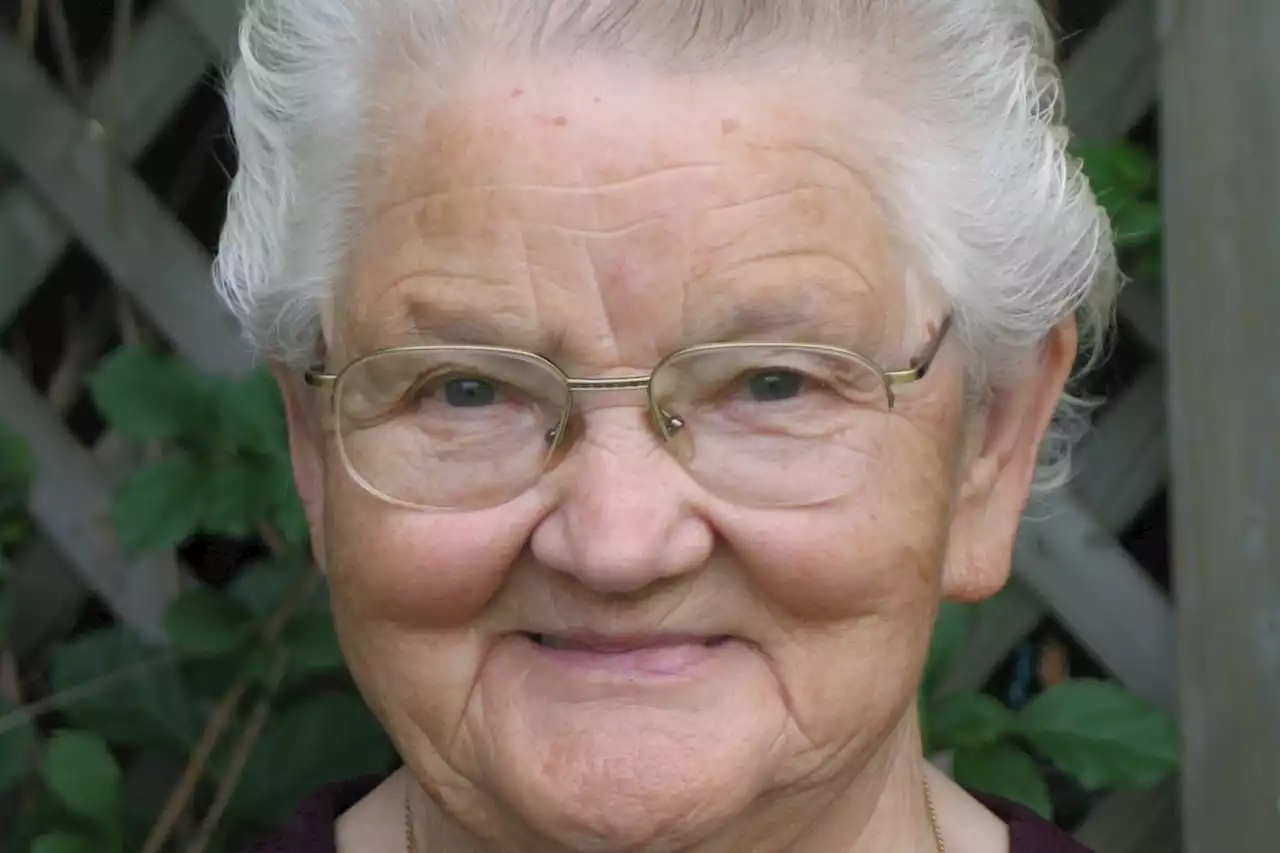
(880, 807)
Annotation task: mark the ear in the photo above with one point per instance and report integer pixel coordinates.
(1003, 447)
(306, 452)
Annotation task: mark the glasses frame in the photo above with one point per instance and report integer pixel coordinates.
(667, 424)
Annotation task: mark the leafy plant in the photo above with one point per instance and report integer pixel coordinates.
(227, 466)
(82, 773)
(17, 470)
(252, 687)
(1125, 178)
(1095, 732)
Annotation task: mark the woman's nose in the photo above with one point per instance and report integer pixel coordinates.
(627, 513)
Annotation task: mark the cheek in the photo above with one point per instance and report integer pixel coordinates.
(422, 570)
(853, 588)
(877, 551)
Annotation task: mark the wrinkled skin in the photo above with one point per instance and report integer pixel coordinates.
(605, 220)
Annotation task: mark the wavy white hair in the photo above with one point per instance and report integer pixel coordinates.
(983, 193)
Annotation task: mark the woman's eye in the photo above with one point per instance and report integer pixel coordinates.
(768, 386)
(469, 392)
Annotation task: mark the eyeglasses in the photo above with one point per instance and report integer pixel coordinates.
(471, 427)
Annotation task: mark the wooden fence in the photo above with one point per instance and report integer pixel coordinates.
(65, 176)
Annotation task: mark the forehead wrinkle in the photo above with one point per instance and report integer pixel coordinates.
(589, 215)
(774, 196)
(675, 172)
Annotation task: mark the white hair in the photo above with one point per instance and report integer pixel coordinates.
(978, 181)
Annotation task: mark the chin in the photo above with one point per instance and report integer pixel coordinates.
(649, 792)
(600, 763)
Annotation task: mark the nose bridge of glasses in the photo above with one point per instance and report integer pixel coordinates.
(601, 389)
(611, 383)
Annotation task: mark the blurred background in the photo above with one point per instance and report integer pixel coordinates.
(169, 679)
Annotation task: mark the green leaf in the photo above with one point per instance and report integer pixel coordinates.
(1138, 224)
(17, 741)
(238, 495)
(6, 603)
(262, 586)
(161, 505)
(207, 623)
(313, 644)
(66, 842)
(17, 470)
(319, 740)
(1118, 168)
(152, 397)
(1101, 735)
(17, 466)
(152, 708)
(82, 772)
(13, 530)
(966, 720)
(251, 415)
(950, 630)
(1006, 771)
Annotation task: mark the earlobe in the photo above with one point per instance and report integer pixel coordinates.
(999, 470)
(306, 452)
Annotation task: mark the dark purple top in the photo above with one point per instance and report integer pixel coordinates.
(310, 830)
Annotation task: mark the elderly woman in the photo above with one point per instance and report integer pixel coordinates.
(654, 368)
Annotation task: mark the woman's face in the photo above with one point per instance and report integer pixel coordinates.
(722, 656)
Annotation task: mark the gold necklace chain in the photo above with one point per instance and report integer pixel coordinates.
(411, 838)
(933, 817)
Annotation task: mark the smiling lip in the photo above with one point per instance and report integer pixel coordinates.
(615, 645)
(639, 656)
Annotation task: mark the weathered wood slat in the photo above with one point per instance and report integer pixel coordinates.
(139, 101)
(1111, 82)
(1125, 462)
(1142, 307)
(70, 500)
(1221, 188)
(215, 21)
(1132, 821)
(1104, 599)
(1122, 465)
(29, 246)
(140, 244)
(1002, 624)
(48, 595)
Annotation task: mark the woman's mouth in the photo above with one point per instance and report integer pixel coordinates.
(636, 656)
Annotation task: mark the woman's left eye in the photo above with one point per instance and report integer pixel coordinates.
(770, 386)
(469, 392)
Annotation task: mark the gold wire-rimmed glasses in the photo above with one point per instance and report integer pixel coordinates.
(472, 427)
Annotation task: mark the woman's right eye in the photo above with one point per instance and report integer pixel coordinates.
(467, 392)
(774, 385)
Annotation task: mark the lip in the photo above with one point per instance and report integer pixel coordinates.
(630, 656)
(612, 644)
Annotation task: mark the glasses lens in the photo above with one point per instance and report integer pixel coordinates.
(772, 425)
(449, 428)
